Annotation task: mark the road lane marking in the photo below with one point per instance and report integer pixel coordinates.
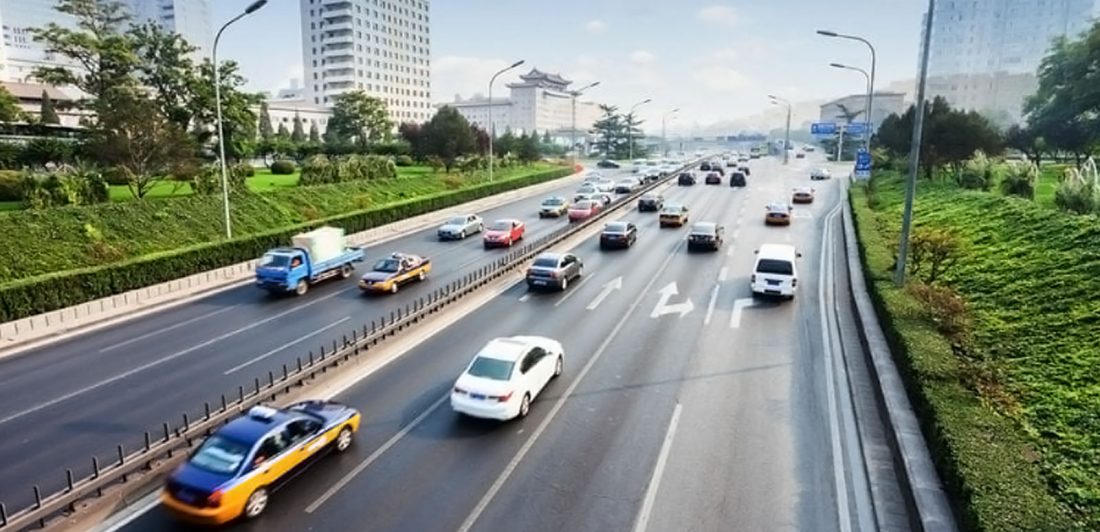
(658, 471)
(471, 519)
(615, 284)
(569, 293)
(729, 251)
(736, 232)
(299, 340)
(662, 307)
(525, 297)
(723, 272)
(713, 300)
(375, 455)
(787, 236)
(738, 306)
(166, 329)
(158, 362)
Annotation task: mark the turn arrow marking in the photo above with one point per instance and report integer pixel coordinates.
(614, 284)
(738, 306)
(663, 307)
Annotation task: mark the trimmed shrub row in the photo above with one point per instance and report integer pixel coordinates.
(59, 290)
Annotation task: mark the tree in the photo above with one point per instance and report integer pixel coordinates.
(282, 132)
(314, 133)
(143, 144)
(634, 134)
(167, 70)
(447, 136)
(47, 114)
(413, 133)
(102, 56)
(1026, 140)
(238, 118)
(950, 136)
(506, 143)
(481, 139)
(9, 107)
(528, 148)
(266, 131)
(546, 139)
(610, 132)
(358, 118)
(1063, 110)
(298, 134)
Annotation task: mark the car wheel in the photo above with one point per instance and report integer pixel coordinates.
(524, 405)
(343, 439)
(564, 283)
(256, 503)
(558, 366)
(462, 235)
(345, 271)
(421, 276)
(302, 287)
(394, 286)
(480, 228)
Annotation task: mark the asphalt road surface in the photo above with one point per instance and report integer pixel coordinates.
(727, 413)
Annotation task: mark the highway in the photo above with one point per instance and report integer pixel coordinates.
(80, 397)
(725, 413)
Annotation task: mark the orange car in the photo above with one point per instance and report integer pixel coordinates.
(778, 214)
(802, 195)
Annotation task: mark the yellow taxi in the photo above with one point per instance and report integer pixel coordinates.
(390, 273)
(802, 195)
(234, 471)
(777, 214)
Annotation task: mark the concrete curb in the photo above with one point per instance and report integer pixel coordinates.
(27, 333)
(921, 483)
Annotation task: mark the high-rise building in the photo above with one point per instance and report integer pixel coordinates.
(189, 18)
(985, 53)
(381, 47)
(21, 53)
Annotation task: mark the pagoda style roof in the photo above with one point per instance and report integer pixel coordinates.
(538, 78)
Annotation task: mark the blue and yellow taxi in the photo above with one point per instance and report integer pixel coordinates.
(234, 471)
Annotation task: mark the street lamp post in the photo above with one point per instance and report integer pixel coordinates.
(629, 129)
(867, 133)
(252, 8)
(870, 82)
(914, 149)
(664, 138)
(492, 126)
(787, 137)
(573, 128)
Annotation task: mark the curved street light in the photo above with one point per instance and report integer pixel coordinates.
(629, 129)
(664, 138)
(866, 134)
(871, 81)
(492, 128)
(776, 100)
(252, 8)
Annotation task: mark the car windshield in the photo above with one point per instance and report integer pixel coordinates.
(553, 202)
(491, 368)
(545, 262)
(502, 225)
(387, 266)
(649, 197)
(702, 229)
(583, 205)
(781, 267)
(457, 220)
(271, 260)
(220, 455)
(672, 209)
(777, 207)
(615, 227)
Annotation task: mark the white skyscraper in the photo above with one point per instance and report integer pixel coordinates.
(382, 47)
(189, 18)
(20, 53)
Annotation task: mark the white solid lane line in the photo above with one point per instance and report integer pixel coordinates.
(160, 361)
(301, 339)
(710, 306)
(658, 471)
(729, 251)
(471, 519)
(724, 272)
(166, 329)
(738, 308)
(525, 297)
(375, 455)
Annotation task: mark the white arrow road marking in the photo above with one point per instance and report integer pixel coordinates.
(663, 307)
(614, 284)
(738, 306)
(524, 298)
(710, 306)
(723, 272)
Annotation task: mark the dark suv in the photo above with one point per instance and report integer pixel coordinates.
(618, 234)
(651, 202)
(686, 179)
(737, 179)
(705, 167)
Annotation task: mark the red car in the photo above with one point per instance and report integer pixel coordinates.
(503, 233)
(584, 209)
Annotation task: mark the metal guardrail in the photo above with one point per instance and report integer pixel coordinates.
(163, 451)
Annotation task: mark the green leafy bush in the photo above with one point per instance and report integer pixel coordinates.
(208, 179)
(1020, 180)
(403, 160)
(11, 188)
(283, 167)
(1078, 193)
(978, 173)
(82, 185)
(43, 151)
(9, 155)
(163, 240)
(244, 169)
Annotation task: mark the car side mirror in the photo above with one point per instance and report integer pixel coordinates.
(756, 252)
(798, 255)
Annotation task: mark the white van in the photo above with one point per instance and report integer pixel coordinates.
(775, 272)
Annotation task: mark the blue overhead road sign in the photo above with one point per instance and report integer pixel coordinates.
(823, 128)
(856, 128)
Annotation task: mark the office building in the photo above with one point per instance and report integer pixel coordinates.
(985, 53)
(539, 102)
(852, 108)
(189, 18)
(20, 53)
(381, 47)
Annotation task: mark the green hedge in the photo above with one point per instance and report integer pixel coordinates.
(1009, 414)
(53, 291)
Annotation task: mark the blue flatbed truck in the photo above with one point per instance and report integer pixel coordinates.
(293, 270)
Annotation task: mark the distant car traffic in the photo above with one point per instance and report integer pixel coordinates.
(553, 207)
(673, 215)
(775, 273)
(605, 185)
(737, 179)
(704, 166)
(459, 227)
(731, 162)
(588, 188)
(713, 179)
(777, 214)
(391, 273)
(686, 179)
(503, 233)
(618, 234)
(506, 376)
(744, 169)
(554, 270)
(705, 235)
(608, 164)
(799, 155)
(802, 195)
(625, 186)
(232, 473)
(651, 202)
(820, 174)
(584, 209)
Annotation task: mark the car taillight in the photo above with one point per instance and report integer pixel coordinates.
(215, 499)
(460, 391)
(503, 398)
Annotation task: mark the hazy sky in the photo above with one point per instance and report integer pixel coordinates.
(714, 60)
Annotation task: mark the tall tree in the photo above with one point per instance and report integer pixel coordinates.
(1024, 139)
(298, 134)
(528, 148)
(633, 131)
(9, 107)
(610, 132)
(506, 143)
(358, 118)
(481, 139)
(314, 133)
(282, 133)
(102, 55)
(1064, 109)
(413, 133)
(447, 136)
(950, 136)
(546, 139)
(238, 118)
(166, 69)
(47, 113)
(266, 131)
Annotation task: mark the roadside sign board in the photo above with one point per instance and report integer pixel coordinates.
(823, 128)
(863, 164)
(856, 128)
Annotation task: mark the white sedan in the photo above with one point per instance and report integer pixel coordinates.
(506, 375)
